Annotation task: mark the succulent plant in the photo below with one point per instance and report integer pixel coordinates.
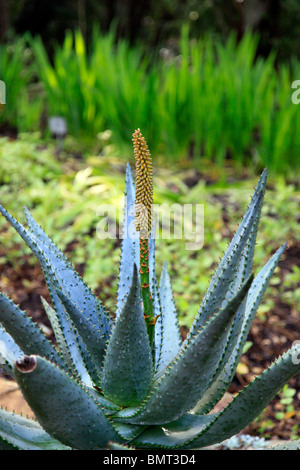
(132, 381)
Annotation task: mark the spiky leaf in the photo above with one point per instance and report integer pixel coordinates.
(88, 331)
(25, 332)
(62, 407)
(127, 368)
(251, 401)
(9, 352)
(167, 338)
(130, 243)
(60, 271)
(188, 376)
(240, 332)
(17, 432)
(229, 267)
(174, 434)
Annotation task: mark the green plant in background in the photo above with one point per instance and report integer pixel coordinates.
(204, 99)
(106, 383)
(15, 76)
(286, 400)
(24, 105)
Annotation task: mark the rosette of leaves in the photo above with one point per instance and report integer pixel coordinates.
(131, 381)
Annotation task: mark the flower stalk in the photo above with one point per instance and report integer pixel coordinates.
(143, 221)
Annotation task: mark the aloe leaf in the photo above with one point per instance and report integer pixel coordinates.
(127, 367)
(58, 332)
(130, 254)
(240, 332)
(5, 445)
(245, 263)
(9, 352)
(87, 330)
(60, 271)
(286, 445)
(63, 273)
(129, 431)
(17, 432)
(198, 431)
(61, 321)
(63, 408)
(169, 332)
(60, 274)
(25, 332)
(152, 273)
(108, 406)
(70, 344)
(115, 446)
(229, 268)
(187, 377)
(251, 401)
(174, 434)
(158, 331)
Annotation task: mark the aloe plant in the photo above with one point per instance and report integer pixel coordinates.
(132, 381)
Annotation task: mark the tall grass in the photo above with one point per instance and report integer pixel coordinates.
(210, 100)
(15, 76)
(23, 107)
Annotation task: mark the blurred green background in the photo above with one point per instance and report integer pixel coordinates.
(202, 79)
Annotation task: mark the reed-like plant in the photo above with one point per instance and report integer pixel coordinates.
(15, 76)
(211, 99)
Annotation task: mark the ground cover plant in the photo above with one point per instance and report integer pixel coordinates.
(131, 413)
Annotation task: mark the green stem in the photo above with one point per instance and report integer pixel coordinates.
(145, 288)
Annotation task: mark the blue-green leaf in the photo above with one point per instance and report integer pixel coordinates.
(60, 320)
(63, 408)
(88, 331)
(251, 401)
(60, 274)
(229, 268)
(239, 335)
(69, 280)
(130, 243)
(9, 352)
(60, 271)
(168, 332)
(28, 336)
(174, 434)
(58, 332)
(17, 432)
(127, 367)
(187, 377)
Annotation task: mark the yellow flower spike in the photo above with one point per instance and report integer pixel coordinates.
(144, 185)
(143, 221)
